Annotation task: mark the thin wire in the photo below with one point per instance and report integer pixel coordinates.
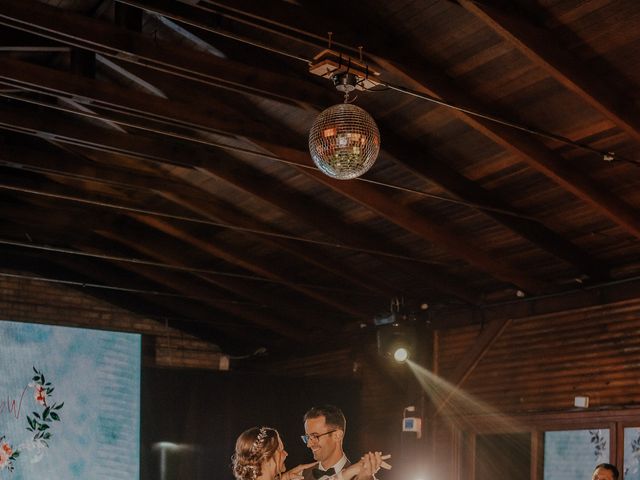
(452, 200)
(269, 21)
(501, 121)
(507, 123)
(107, 287)
(559, 294)
(151, 63)
(125, 55)
(138, 261)
(155, 293)
(209, 222)
(275, 158)
(218, 32)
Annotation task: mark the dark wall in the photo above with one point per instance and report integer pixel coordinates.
(204, 412)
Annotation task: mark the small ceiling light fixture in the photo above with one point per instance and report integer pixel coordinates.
(401, 354)
(344, 140)
(396, 334)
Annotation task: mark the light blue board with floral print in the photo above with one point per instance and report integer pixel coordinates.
(632, 453)
(69, 403)
(573, 454)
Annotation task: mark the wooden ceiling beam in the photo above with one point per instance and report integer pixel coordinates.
(102, 95)
(188, 317)
(417, 75)
(438, 171)
(539, 47)
(69, 130)
(242, 260)
(214, 210)
(190, 286)
(172, 152)
(68, 223)
(537, 155)
(112, 96)
(56, 163)
(48, 125)
(16, 41)
(375, 199)
(307, 210)
(110, 40)
(434, 170)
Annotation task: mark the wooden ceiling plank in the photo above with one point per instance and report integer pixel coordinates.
(168, 152)
(186, 286)
(68, 222)
(57, 162)
(108, 97)
(538, 46)
(113, 41)
(533, 232)
(436, 169)
(99, 94)
(17, 118)
(48, 126)
(312, 213)
(178, 192)
(428, 80)
(537, 155)
(252, 265)
(45, 124)
(373, 198)
(192, 319)
(313, 256)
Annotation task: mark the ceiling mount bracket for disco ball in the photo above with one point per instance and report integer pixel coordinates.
(345, 81)
(344, 140)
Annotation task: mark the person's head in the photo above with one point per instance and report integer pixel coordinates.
(324, 429)
(259, 451)
(605, 471)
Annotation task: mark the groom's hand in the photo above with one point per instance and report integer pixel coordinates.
(370, 465)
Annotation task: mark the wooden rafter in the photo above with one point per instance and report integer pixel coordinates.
(436, 170)
(164, 151)
(534, 42)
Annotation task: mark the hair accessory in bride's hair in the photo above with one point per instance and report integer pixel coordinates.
(259, 441)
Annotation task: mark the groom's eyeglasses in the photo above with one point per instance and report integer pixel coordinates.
(314, 436)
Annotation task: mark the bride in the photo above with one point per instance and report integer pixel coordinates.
(260, 455)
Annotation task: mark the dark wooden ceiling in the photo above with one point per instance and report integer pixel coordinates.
(156, 150)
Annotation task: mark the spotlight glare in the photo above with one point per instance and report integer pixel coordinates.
(401, 354)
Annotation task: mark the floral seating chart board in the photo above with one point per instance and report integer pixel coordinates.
(69, 403)
(573, 454)
(632, 453)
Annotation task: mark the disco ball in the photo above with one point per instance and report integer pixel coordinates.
(344, 141)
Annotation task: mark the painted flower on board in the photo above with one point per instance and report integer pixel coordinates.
(40, 394)
(39, 423)
(7, 455)
(6, 448)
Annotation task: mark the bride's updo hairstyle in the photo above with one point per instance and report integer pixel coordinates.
(253, 447)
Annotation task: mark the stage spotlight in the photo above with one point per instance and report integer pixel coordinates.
(397, 341)
(401, 354)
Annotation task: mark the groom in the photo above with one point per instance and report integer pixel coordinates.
(324, 429)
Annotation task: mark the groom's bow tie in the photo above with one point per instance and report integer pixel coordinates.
(317, 473)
